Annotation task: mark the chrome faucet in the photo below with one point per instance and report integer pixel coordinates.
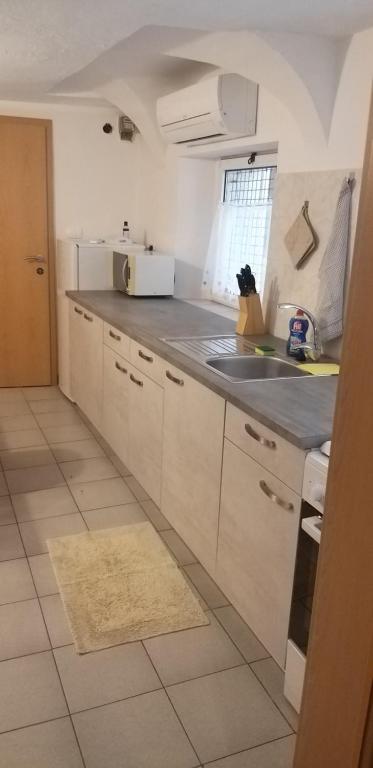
(313, 351)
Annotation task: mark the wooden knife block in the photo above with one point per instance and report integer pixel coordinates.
(250, 321)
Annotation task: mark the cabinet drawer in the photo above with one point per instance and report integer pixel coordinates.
(117, 341)
(146, 361)
(271, 451)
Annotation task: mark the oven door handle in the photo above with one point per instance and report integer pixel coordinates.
(311, 526)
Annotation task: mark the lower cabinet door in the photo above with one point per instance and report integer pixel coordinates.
(145, 432)
(193, 428)
(115, 421)
(258, 532)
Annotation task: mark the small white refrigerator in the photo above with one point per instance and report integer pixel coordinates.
(81, 265)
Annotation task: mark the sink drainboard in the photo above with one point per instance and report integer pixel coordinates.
(202, 347)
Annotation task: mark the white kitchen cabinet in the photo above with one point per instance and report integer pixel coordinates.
(115, 407)
(145, 431)
(86, 341)
(258, 530)
(193, 427)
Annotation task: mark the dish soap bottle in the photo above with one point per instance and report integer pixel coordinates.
(126, 233)
(298, 327)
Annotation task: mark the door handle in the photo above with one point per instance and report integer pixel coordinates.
(180, 382)
(114, 335)
(145, 357)
(276, 499)
(120, 368)
(87, 317)
(136, 381)
(262, 440)
(78, 311)
(38, 258)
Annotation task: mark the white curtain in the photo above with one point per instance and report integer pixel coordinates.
(239, 235)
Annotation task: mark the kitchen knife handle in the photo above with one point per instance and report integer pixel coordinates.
(262, 440)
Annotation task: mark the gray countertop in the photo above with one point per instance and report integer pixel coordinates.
(300, 410)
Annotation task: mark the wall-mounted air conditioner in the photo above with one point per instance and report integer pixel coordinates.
(223, 106)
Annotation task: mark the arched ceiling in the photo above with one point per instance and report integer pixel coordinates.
(42, 42)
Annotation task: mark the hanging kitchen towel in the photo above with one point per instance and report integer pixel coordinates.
(301, 239)
(333, 269)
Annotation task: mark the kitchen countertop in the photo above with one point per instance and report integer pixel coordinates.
(300, 409)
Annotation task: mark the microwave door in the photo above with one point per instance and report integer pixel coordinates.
(125, 273)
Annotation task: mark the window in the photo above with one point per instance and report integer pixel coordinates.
(241, 230)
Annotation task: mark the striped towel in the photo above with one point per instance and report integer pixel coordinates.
(333, 269)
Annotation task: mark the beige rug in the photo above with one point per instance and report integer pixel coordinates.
(120, 585)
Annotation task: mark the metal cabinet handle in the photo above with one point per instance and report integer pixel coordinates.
(114, 335)
(145, 357)
(262, 440)
(180, 382)
(78, 311)
(36, 258)
(136, 381)
(276, 499)
(87, 317)
(120, 368)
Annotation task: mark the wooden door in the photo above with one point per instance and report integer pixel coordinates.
(27, 335)
(193, 429)
(257, 546)
(336, 724)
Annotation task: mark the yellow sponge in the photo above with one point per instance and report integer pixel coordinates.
(321, 369)
(263, 349)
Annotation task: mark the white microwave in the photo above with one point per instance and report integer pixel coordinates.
(143, 273)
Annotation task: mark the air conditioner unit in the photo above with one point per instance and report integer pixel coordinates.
(223, 106)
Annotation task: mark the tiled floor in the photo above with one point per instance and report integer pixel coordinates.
(209, 696)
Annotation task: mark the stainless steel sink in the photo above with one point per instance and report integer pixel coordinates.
(250, 367)
(234, 358)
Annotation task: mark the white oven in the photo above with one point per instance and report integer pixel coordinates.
(313, 496)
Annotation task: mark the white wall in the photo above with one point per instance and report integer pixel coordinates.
(96, 178)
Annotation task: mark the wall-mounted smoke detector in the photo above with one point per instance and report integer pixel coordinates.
(127, 128)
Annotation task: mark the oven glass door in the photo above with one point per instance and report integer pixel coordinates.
(305, 577)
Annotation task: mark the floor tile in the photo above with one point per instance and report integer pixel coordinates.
(276, 754)
(137, 489)
(272, 677)
(50, 502)
(15, 423)
(10, 543)
(227, 712)
(85, 470)
(59, 405)
(56, 620)
(101, 493)
(36, 532)
(3, 486)
(205, 585)
(93, 679)
(17, 408)
(11, 395)
(155, 515)
(180, 550)
(22, 629)
(122, 469)
(24, 438)
(27, 457)
(30, 691)
(43, 575)
(67, 433)
(59, 419)
(15, 581)
(145, 729)
(48, 745)
(111, 517)
(180, 656)
(77, 449)
(34, 478)
(6, 511)
(42, 393)
(241, 634)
